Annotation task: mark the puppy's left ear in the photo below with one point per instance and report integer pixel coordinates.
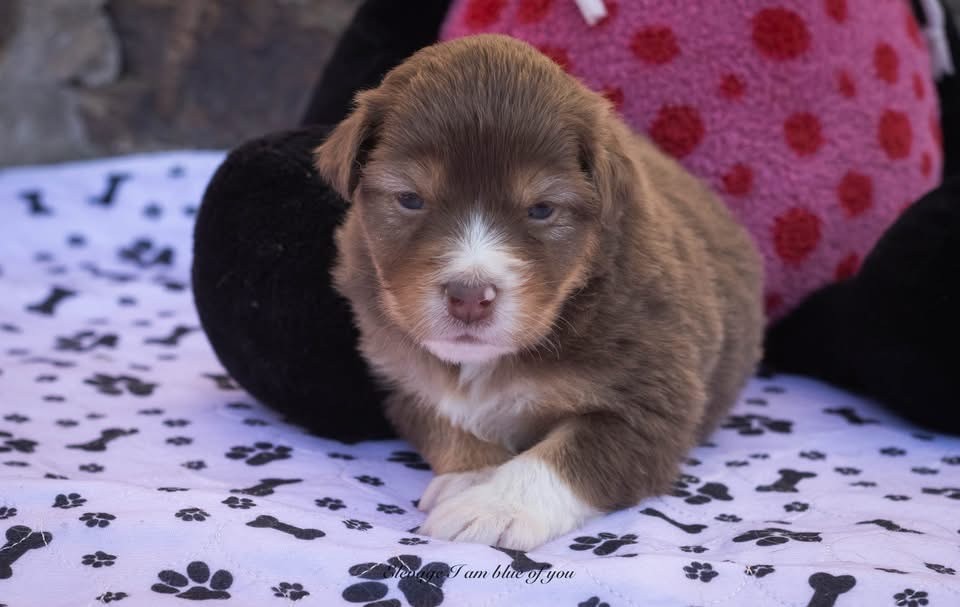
(605, 158)
(340, 159)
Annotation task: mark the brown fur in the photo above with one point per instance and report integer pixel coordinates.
(642, 301)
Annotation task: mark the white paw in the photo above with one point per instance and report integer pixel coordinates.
(450, 484)
(521, 506)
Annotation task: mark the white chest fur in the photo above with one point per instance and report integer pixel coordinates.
(495, 413)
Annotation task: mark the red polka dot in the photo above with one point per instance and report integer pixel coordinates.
(837, 9)
(855, 193)
(796, 233)
(732, 86)
(918, 89)
(738, 181)
(780, 33)
(481, 14)
(772, 302)
(612, 8)
(895, 134)
(926, 164)
(677, 129)
(886, 63)
(558, 55)
(913, 30)
(655, 45)
(614, 94)
(532, 11)
(847, 267)
(803, 133)
(936, 131)
(845, 84)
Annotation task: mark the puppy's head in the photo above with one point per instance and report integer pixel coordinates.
(482, 177)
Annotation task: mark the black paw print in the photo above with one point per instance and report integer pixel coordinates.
(700, 571)
(593, 602)
(16, 418)
(176, 423)
(70, 500)
(893, 451)
(369, 480)
(343, 456)
(897, 498)
(796, 507)
(198, 572)
(92, 468)
(179, 441)
(759, 570)
(243, 503)
(110, 597)
(97, 519)
(847, 471)
(813, 455)
(285, 590)
(260, 453)
(941, 568)
(727, 518)
(358, 525)
(410, 459)
(7, 512)
(771, 536)
(755, 425)
(99, 559)
(253, 421)
(111, 385)
(67, 423)
(706, 493)
(924, 470)
(421, 587)
(192, 514)
(390, 509)
(603, 543)
(694, 549)
(911, 598)
(194, 464)
(331, 503)
(172, 489)
(412, 541)
(951, 460)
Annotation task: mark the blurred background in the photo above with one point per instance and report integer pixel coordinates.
(83, 78)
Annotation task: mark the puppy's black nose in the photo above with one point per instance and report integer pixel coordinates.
(470, 303)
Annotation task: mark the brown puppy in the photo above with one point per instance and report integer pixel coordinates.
(560, 309)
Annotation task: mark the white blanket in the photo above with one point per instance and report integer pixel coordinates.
(134, 471)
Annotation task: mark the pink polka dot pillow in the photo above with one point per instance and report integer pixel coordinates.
(815, 120)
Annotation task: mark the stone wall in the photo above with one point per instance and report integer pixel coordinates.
(82, 78)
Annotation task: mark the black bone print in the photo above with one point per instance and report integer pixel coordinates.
(787, 483)
(110, 193)
(266, 486)
(85, 341)
(35, 203)
(111, 384)
(143, 253)
(683, 527)
(952, 493)
(20, 445)
(755, 425)
(850, 414)
(205, 587)
(54, 299)
(179, 332)
(889, 526)
(421, 587)
(826, 588)
(520, 562)
(20, 540)
(106, 436)
(271, 522)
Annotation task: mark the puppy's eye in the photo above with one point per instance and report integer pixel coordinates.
(410, 200)
(540, 211)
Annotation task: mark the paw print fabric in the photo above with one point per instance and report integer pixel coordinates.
(131, 472)
(816, 121)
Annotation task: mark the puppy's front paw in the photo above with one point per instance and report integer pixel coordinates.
(523, 505)
(450, 484)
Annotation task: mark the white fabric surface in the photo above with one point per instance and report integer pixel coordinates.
(873, 519)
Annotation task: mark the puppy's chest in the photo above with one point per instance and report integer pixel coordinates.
(503, 413)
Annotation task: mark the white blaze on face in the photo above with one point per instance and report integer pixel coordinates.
(478, 254)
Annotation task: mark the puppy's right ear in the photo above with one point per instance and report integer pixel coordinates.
(341, 158)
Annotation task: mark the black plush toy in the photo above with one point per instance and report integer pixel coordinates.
(264, 248)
